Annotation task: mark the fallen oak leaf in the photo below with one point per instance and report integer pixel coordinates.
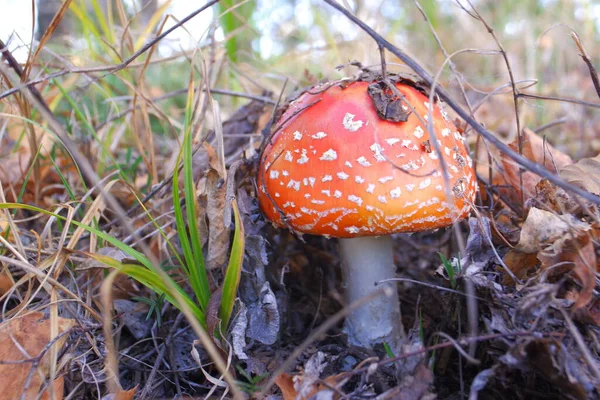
(285, 383)
(554, 239)
(121, 394)
(585, 174)
(6, 282)
(580, 254)
(537, 149)
(288, 385)
(216, 202)
(24, 342)
(547, 231)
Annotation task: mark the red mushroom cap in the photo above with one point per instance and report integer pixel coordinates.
(335, 168)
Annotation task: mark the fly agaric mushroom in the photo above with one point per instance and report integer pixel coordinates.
(355, 160)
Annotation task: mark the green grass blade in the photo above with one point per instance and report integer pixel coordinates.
(182, 230)
(234, 270)
(232, 19)
(197, 268)
(153, 281)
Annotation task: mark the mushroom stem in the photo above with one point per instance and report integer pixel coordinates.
(365, 261)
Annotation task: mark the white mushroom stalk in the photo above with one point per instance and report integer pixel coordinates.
(366, 261)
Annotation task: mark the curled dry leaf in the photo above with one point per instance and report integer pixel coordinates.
(579, 255)
(585, 174)
(6, 282)
(216, 202)
(23, 339)
(536, 149)
(546, 231)
(121, 394)
(555, 362)
(306, 385)
(554, 239)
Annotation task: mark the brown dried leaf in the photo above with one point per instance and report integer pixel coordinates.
(24, 339)
(125, 394)
(121, 394)
(6, 282)
(535, 149)
(557, 364)
(285, 382)
(548, 232)
(519, 263)
(551, 197)
(288, 385)
(554, 239)
(584, 174)
(216, 201)
(581, 256)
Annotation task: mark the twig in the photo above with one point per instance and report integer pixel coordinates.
(588, 62)
(518, 158)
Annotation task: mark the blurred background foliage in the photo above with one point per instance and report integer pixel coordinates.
(259, 44)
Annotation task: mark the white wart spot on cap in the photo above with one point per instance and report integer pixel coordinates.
(377, 150)
(303, 158)
(348, 164)
(392, 141)
(382, 199)
(311, 181)
(425, 183)
(419, 132)
(273, 174)
(329, 155)
(327, 178)
(350, 124)
(409, 166)
(359, 179)
(294, 184)
(288, 156)
(285, 172)
(385, 179)
(352, 229)
(337, 194)
(319, 135)
(446, 132)
(297, 135)
(363, 161)
(326, 193)
(342, 175)
(370, 188)
(409, 187)
(395, 193)
(355, 199)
